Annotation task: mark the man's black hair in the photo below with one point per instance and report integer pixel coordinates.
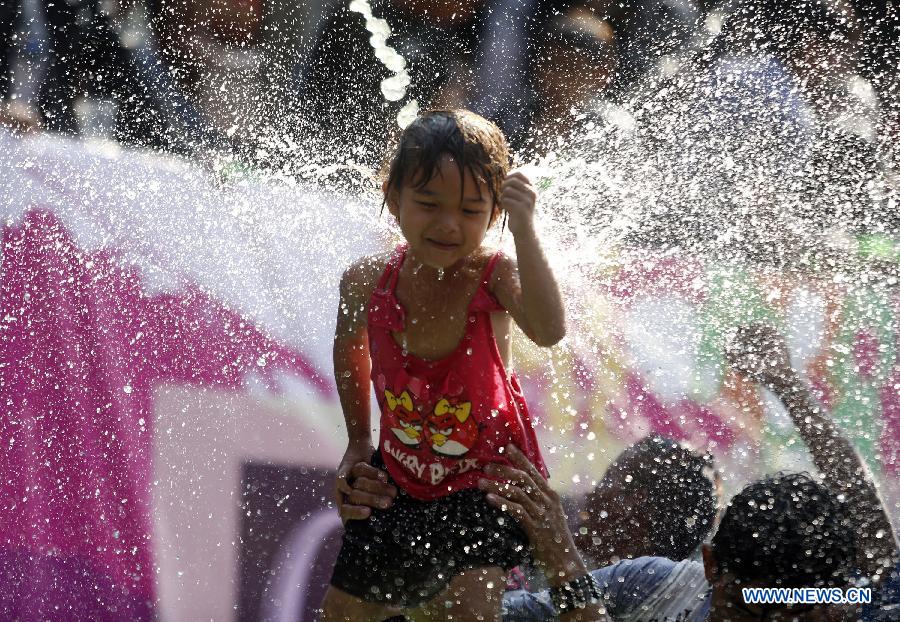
(680, 486)
(682, 482)
(786, 530)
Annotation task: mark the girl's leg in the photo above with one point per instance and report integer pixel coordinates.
(473, 596)
(339, 606)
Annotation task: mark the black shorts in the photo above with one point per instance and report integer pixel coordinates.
(407, 554)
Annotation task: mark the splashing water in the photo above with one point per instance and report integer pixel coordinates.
(716, 193)
(394, 87)
(721, 192)
(707, 198)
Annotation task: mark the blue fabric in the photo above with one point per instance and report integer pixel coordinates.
(625, 585)
(886, 601)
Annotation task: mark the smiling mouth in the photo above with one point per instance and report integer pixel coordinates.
(443, 245)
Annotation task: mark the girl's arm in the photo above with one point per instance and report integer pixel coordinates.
(528, 291)
(352, 368)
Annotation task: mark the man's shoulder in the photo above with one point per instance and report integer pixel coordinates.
(667, 589)
(632, 585)
(640, 575)
(642, 566)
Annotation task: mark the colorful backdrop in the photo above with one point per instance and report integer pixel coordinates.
(169, 421)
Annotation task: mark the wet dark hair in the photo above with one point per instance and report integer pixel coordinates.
(679, 484)
(786, 530)
(474, 143)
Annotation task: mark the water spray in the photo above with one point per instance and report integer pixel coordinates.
(394, 87)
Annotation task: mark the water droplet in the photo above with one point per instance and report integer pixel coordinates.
(390, 59)
(408, 114)
(361, 6)
(127, 389)
(378, 27)
(394, 88)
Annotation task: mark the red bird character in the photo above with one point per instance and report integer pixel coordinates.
(450, 429)
(406, 424)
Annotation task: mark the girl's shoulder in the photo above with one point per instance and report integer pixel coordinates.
(361, 277)
(484, 255)
(504, 268)
(476, 264)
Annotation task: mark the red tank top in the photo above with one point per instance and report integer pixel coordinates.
(443, 420)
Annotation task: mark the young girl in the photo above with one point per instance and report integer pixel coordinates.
(430, 324)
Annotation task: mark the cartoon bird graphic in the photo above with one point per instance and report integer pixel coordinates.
(450, 429)
(407, 422)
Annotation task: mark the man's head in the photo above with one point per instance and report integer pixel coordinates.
(576, 61)
(788, 531)
(657, 498)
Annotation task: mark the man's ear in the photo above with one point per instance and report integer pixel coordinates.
(391, 198)
(710, 565)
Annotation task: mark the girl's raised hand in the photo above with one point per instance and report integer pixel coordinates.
(517, 198)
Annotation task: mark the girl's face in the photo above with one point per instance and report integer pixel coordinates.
(440, 228)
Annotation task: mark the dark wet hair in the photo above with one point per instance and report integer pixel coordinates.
(474, 143)
(679, 484)
(786, 530)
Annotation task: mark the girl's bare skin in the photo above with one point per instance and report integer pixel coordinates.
(444, 222)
